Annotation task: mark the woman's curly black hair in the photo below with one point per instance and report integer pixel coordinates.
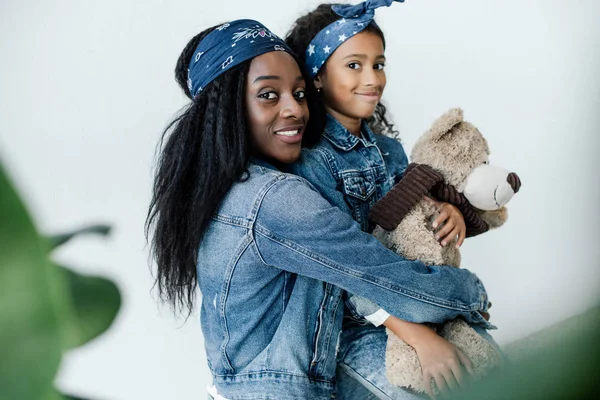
(202, 153)
(306, 28)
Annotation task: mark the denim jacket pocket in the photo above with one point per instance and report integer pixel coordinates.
(359, 190)
(359, 184)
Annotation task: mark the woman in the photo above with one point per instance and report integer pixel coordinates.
(272, 258)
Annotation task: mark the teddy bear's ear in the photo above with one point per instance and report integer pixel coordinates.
(446, 122)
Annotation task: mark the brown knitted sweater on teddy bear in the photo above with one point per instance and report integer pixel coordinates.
(421, 180)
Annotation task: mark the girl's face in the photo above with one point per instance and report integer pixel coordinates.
(277, 107)
(353, 79)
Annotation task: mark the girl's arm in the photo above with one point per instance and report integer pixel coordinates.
(439, 359)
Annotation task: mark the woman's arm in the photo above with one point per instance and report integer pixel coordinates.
(299, 231)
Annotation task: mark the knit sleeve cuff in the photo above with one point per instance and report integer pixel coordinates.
(393, 207)
(378, 317)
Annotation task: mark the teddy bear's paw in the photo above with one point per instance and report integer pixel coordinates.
(415, 238)
(495, 218)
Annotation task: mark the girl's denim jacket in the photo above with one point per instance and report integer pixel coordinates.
(272, 269)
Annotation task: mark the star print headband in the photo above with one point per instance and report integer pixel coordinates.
(227, 46)
(355, 18)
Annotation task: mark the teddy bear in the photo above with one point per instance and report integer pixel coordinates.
(449, 163)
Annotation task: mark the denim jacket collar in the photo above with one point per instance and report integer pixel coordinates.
(341, 138)
(261, 163)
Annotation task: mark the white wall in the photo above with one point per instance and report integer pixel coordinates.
(87, 86)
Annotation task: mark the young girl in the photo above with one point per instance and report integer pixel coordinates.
(271, 257)
(343, 50)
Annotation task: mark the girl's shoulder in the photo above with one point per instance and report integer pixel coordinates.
(384, 140)
(390, 146)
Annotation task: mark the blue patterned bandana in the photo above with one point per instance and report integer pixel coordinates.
(227, 46)
(355, 18)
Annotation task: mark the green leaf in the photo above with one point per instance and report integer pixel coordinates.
(44, 309)
(563, 363)
(68, 397)
(57, 240)
(53, 394)
(30, 300)
(96, 302)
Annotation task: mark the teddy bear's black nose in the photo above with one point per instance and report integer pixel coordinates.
(514, 181)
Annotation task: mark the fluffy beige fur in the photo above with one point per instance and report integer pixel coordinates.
(402, 363)
(453, 147)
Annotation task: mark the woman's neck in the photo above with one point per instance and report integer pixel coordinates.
(352, 124)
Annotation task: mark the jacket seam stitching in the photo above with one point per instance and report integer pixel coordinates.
(233, 221)
(224, 297)
(267, 371)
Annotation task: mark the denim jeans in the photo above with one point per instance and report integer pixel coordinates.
(361, 366)
(360, 373)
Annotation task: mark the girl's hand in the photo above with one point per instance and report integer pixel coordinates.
(443, 362)
(454, 224)
(440, 360)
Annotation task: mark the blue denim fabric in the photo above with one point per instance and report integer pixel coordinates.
(361, 366)
(272, 269)
(353, 174)
(360, 307)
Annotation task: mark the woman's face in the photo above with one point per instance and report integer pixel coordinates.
(353, 79)
(277, 107)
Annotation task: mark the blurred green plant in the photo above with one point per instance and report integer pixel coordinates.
(560, 362)
(45, 309)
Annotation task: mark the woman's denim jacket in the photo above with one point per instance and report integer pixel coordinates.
(272, 269)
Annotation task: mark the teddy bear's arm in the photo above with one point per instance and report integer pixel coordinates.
(396, 204)
(495, 218)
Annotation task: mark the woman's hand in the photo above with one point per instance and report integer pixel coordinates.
(454, 224)
(443, 362)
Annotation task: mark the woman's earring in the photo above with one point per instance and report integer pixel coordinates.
(318, 90)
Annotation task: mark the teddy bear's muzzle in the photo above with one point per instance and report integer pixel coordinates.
(488, 187)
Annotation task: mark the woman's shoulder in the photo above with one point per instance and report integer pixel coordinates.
(258, 184)
(260, 177)
(262, 186)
